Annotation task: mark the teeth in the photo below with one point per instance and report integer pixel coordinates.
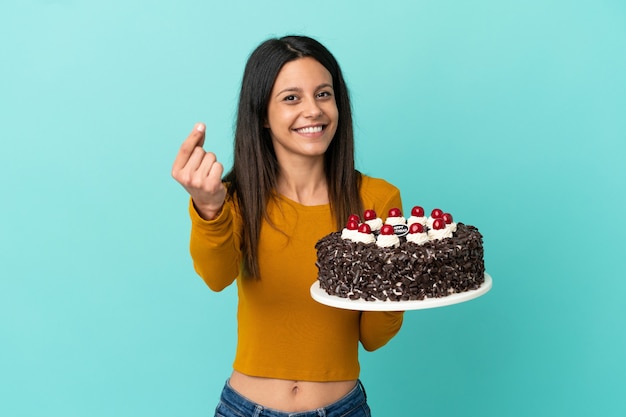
(315, 129)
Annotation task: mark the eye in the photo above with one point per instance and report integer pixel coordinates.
(290, 97)
(324, 94)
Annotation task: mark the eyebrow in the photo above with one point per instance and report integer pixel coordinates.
(298, 89)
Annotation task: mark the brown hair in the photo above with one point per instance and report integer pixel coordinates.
(252, 179)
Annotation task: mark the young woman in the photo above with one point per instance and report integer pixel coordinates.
(293, 181)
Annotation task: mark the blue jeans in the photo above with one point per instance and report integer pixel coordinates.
(233, 404)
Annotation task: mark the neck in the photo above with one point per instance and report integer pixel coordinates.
(304, 184)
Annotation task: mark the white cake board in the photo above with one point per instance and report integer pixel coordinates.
(321, 296)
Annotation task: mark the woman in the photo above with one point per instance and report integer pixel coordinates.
(293, 181)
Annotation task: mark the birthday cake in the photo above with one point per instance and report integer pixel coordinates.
(401, 259)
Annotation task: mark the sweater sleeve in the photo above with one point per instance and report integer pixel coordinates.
(378, 327)
(215, 248)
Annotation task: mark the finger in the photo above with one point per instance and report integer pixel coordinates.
(195, 161)
(195, 139)
(215, 174)
(205, 166)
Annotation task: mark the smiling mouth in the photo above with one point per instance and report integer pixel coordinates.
(310, 129)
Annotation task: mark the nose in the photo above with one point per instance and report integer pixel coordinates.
(312, 109)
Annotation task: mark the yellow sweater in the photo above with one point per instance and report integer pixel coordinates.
(283, 333)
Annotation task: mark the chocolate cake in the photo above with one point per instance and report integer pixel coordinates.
(406, 271)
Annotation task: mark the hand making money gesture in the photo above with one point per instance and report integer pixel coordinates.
(200, 174)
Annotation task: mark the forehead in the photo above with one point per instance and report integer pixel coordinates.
(301, 73)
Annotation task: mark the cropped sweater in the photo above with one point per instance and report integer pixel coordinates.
(282, 332)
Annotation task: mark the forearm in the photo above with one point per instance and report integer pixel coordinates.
(214, 248)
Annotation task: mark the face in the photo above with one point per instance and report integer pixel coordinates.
(302, 113)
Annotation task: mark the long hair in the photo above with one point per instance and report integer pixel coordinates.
(253, 177)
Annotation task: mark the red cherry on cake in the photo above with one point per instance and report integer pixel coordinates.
(395, 212)
(354, 217)
(365, 228)
(352, 225)
(439, 224)
(447, 217)
(436, 213)
(416, 228)
(369, 215)
(387, 229)
(417, 211)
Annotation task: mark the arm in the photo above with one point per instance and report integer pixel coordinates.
(214, 244)
(377, 328)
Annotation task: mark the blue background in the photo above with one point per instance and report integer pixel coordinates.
(509, 114)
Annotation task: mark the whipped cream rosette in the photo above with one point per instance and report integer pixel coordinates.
(398, 222)
(450, 224)
(417, 216)
(351, 230)
(417, 234)
(439, 230)
(364, 234)
(395, 217)
(434, 214)
(387, 237)
(373, 221)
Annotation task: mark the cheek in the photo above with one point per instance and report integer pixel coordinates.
(333, 111)
(333, 128)
(330, 110)
(281, 120)
(334, 115)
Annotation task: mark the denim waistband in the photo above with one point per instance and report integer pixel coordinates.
(234, 400)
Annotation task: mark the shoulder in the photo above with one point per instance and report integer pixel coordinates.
(377, 192)
(372, 185)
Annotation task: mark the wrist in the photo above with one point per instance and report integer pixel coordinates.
(207, 213)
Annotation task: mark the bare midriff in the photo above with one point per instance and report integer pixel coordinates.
(287, 395)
